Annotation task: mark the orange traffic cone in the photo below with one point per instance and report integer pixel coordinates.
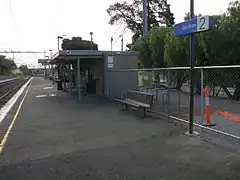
(207, 109)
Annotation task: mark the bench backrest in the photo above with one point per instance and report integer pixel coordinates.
(142, 97)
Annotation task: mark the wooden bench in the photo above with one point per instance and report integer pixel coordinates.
(137, 99)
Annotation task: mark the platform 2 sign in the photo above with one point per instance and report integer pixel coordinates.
(200, 24)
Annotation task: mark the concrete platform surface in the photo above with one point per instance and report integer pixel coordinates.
(54, 137)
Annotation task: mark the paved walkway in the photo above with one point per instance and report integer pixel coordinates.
(56, 138)
(216, 104)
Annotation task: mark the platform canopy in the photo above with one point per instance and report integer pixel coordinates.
(65, 55)
(43, 61)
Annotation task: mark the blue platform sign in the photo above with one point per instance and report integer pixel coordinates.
(195, 25)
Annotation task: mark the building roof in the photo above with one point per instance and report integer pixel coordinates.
(86, 54)
(74, 54)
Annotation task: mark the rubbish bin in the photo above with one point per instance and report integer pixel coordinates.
(59, 84)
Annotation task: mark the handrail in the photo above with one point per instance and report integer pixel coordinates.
(146, 87)
(175, 68)
(156, 91)
(173, 90)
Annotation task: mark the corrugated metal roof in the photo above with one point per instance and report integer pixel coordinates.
(61, 55)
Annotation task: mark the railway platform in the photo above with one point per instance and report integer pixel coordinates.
(54, 137)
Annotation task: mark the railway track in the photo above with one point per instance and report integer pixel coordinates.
(8, 88)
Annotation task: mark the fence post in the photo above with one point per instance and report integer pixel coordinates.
(179, 99)
(156, 95)
(202, 96)
(168, 94)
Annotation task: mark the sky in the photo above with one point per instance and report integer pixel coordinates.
(33, 25)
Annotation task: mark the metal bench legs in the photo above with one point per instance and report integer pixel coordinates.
(144, 112)
(125, 107)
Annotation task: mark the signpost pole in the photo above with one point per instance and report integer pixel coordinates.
(145, 17)
(192, 61)
(191, 27)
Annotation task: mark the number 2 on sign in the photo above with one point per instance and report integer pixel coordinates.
(203, 23)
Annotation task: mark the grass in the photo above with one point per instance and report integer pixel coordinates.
(19, 75)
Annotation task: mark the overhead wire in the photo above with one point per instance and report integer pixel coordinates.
(122, 33)
(117, 29)
(12, 14)
(16, 24)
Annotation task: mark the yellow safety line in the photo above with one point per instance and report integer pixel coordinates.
(3, 142)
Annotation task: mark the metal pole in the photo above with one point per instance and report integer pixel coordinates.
(78, 79)
(91, 34)
(202, 96)
(122, 43)
(53, 74)
(168, 95)
(45, 68)
(58, 43)
(156, 91)
(192, 61)
(91, 43)
(111, 43)
(70, 77)
(145, 17)
(64, 78)
(51, 66)
(58, 71)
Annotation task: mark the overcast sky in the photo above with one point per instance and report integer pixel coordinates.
(35, 24)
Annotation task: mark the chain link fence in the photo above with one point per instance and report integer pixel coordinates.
(223, 82)
(224, 86)
(171, 87)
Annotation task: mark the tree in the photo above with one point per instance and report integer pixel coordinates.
(132, 15)
(176, 54)
(142, 45)
(232, 28)
(77, 43)
(151, 48)
(6, 65)
(176, 50)
(24, 69)
(220, 47)
(217, 47)
(157, 45)
(207, 46)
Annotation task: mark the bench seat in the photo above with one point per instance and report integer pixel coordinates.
(137, 99)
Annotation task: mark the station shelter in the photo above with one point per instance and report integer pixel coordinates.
(93, 72)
